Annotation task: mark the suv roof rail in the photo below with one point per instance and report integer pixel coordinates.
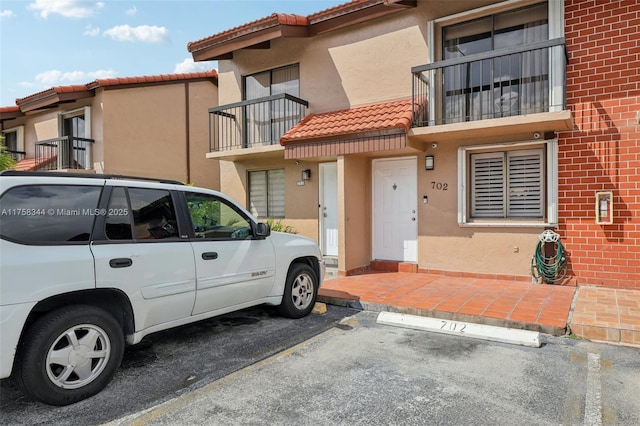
(87, 176)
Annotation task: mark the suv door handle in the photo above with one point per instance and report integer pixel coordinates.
(209, 255)
(122, 262)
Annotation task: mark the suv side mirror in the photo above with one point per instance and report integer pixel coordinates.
(262, 230)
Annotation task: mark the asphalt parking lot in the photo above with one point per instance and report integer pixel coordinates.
(344, 368)
(171, 363)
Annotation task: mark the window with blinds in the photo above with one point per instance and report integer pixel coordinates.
(507, 184)
(266, 193)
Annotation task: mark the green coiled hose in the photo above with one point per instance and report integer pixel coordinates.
(551, 269)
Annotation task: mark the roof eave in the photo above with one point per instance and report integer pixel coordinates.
(51, 99)
(322, 22)
(256, 40)
(399, 130)
(325, 24)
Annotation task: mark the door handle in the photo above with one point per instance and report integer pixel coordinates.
(122, 262)
(209, 255)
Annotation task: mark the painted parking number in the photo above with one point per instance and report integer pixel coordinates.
(453, 326)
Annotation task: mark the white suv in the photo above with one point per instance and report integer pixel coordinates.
(89, 262)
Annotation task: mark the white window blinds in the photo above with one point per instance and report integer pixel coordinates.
(267, 193)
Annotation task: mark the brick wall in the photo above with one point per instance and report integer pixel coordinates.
(602, 152)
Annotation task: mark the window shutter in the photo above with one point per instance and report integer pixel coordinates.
(525, 183)
(276, 193)
(487, 175)
(258, 193)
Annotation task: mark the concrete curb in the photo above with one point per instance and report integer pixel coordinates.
(476, 331)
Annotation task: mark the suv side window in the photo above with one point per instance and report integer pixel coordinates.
(48, 214)
(154, 216)
(213, 218)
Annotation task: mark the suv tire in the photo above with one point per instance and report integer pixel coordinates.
(75, 350)
(300, 292)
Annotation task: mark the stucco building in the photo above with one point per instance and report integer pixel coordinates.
(439, 136)
(153, 126)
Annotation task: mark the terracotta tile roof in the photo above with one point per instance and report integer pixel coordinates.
(10, 112)
(54, 95)
(259, 24)
(277, 25)
(150, 79)
(9, 109)
(352, 122)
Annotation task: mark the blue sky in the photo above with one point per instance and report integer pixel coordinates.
(47, 43)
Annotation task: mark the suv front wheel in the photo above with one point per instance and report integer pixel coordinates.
(70, 354)
(300, 292)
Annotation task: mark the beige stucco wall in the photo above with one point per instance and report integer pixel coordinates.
(146, 130)
(444, 245)
(369, 63)
(354, 231)
(301, 201)
(341, 68)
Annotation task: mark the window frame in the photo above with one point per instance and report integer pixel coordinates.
(19, 151)
(284, 191)
(549, 175)
(556, 25)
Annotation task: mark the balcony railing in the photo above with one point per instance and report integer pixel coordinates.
(16, 155)
(64, 153)
(501, 83)
(253, 123)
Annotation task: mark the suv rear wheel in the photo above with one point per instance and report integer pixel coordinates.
(70, 354)
(300, 292)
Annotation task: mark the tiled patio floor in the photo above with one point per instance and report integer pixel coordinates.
(607, 314)
(513, 304)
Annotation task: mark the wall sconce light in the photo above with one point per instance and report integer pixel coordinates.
(306, 174)
(429, 162)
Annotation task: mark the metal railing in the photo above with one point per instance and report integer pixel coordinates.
(16, 155)
(501, 83)
(64, 153)
(257, 122)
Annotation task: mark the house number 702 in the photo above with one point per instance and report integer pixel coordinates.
(441, 186)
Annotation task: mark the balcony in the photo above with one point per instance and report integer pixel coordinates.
(519, 89)
(64, 153)
(253, 126)
(16, 155)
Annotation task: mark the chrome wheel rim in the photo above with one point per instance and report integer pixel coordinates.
(302, 290)
(78, 356)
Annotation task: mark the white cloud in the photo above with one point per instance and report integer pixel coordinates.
(188, 65)
(90, 31)
(57, 77)
(5, 14)
(132, 11)
(143, 33)
(94, 75)
(49, 78)
(68, 8)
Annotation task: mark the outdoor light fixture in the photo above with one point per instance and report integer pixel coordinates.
(429, 162)
(306, 174)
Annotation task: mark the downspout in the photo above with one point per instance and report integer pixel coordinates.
(187, 132)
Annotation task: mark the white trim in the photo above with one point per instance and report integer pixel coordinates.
(550, 187)
(487, 10)
(19, 131)
(557, 66)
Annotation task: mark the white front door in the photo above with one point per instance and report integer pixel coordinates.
(329, 208)
(395, 210)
